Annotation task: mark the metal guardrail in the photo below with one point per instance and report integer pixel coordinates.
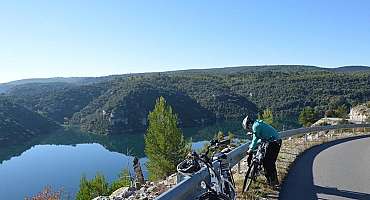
(189, 188)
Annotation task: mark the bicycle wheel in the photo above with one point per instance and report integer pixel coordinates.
(249, 177)
(212, 196)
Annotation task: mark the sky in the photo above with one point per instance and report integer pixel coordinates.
(64, 38)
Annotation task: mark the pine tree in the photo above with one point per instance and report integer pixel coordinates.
(230, 136)
(165, 145)
(341, 112)
(99, 186)
(84, 192)
(307, 117)
(220, 135)
(267, 116)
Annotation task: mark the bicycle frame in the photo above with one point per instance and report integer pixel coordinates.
(219, 181)
(256, 165)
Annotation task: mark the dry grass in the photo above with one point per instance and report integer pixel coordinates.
(290, 150)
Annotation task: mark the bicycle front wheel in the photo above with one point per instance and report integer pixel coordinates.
(249, 177)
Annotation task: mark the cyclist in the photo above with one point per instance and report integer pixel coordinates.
(262, 131)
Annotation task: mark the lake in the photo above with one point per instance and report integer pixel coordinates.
(60, 159)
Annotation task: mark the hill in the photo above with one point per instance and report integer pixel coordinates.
(19, 124)
(351, 69)
(125, 106)
(6, 87)
(57, 101)
(200, 97)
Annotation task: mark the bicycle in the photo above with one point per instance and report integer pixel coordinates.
(255, 166)
(221, 184)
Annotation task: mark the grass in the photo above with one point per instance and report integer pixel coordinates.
(291, 148)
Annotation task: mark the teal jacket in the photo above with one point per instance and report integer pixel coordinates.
(262, 132)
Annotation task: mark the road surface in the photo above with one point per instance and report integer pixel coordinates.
(336, 170)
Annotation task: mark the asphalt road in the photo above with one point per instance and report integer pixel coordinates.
(335, 170)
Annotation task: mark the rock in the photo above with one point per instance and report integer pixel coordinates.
(122, 192)
(138, 172)
(171, 180)
(101, 198)
(151, 188)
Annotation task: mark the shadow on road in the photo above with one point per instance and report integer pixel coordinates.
(299, 182)
(341, 193)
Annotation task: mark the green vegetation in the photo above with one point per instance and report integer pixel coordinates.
(165, 145)
(18, 124)
(57, 101)
(220, 135)
(342, 111)
(230, 136)
(124, 180)
(308, 116)
(90, 189)
(267, 116)
(200, 97)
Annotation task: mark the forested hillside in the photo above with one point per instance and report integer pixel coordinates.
(6, 87)
(199, 101)
(18, 123)
(200, 97)
(57, 101)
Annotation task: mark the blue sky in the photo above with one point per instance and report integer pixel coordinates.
(95, 38)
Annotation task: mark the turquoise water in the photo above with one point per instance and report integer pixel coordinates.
(60, 159)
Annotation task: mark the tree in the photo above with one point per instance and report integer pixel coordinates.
(165, 145)
(307, 117)
(341, 111)
(220, 135)
(267, 116)
(230, 136)
(91, 189)
(99, 186)
(84, 192)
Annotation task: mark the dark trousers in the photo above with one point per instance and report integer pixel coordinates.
(269, 165)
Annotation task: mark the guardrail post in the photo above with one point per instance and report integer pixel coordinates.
(305, 138)
(239, 167)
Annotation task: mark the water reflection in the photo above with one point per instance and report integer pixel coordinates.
(59, 166)
(61, 158)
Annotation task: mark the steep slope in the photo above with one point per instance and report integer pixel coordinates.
(125, 107)
(57, 101)
(289, 93)
(18, 123)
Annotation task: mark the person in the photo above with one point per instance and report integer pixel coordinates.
(262, 131)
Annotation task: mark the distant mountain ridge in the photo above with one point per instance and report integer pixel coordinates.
(350, 69)
(110, 105)
(5, 87)
(227, 70)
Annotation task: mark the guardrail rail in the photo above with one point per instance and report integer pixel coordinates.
(189, 187)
